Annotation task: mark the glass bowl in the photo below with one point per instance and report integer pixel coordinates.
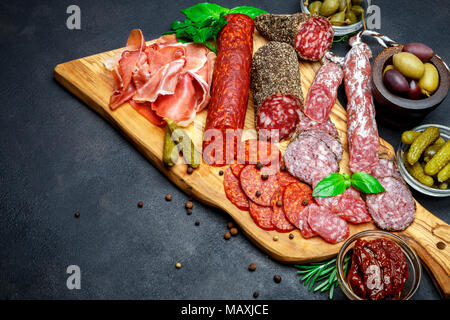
(445, 134)
(342, 30)
(414, 267)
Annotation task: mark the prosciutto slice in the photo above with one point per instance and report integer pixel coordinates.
(165, 79)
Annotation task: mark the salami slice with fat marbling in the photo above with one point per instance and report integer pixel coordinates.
(279, 221)
(307, 124)
(328, 225)
(333, 142)
(258, 189)
(233, 190)
(261, 215)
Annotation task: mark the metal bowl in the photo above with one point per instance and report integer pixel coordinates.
(414, 267)
(402, 149)
(342, 30)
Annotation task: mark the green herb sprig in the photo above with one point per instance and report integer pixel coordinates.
(204, 21)
(337, 183)
(317, 271)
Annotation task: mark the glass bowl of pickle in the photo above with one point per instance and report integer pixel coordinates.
(423, 159)
(346, 16)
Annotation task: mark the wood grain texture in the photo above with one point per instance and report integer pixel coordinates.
(88, 79)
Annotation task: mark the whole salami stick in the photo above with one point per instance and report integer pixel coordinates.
(323, 92)
(362, 131)
(311, 36)
(231, 82)
(276, 89)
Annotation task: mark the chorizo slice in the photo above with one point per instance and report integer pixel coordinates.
(261, 215)
(233, 190)
(260, 185)
(279, 221)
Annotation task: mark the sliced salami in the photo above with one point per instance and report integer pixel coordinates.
(323, 92)
(234, 191)
(386, 168)
(309, 158)
(328, 225)
(307, 124)
(394, 209)
(252, 151)
(279, 221)
(260, 185)
(237, 168)
(285, 179)
(278, 117)
(261, 215)
(332, 142)
(301, 222)
(348, 206)
(296, 197)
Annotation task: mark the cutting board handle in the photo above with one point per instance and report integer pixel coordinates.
(429, 236)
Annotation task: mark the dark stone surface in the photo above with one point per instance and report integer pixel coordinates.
(59, 157)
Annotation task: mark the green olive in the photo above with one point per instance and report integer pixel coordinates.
(357, 2)
(409, 65)
(338, 19)
(429, 82)
(314, 7)
(342, 5)
(329, 7)
(358, 10)
(351, 17)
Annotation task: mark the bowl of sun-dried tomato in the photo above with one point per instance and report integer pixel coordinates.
(382, 267)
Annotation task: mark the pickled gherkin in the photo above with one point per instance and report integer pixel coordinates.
(170, 153)
(440, 159)
(439, 142)
(417, 172)
(443, 186)
(408, 137)
(426, 138)
(444, 174)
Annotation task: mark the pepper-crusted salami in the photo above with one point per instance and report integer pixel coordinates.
(276, 89)
(279, 221)
(323, 92)
(234, 191)
(258, 189)
(328, 225)
(310, 159)
(393, 209)
(362, 131)
(311, 36)
(231, 80)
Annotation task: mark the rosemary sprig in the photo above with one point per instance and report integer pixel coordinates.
(324, 271)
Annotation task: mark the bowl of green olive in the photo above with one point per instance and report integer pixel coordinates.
(423, 159)
(346, 16)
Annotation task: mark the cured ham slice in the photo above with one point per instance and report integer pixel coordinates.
(165, 79)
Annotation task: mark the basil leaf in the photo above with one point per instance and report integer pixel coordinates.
(364, 182)
(330, 186)
(202, 35)
(249, 11)
(203, 11)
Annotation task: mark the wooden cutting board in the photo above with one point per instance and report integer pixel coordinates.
(88, 79)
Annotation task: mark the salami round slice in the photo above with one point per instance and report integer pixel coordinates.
(328, 225)
(285, 179)
(323, 92)
(310, 159)
(234, 191)
(386, 168)
(301, 222)
(333, 142)
(296, 197)
(395, 208)
(278, 117)
(258, 189)
(314, 38)
(237, 168)
(279, 221)
(307, 124)
(261, 215)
